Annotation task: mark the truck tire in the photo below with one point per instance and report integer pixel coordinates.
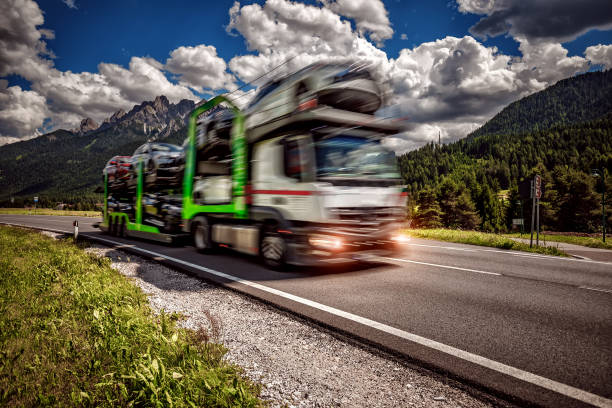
(273, 249)
(201, 235)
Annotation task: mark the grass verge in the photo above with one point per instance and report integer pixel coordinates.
(49, 211)
(568, 239)
(482, 239)
(73, 331)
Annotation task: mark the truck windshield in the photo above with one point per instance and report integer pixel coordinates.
(351, 156)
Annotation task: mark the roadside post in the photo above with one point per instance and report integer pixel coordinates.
(35, 201)
(538, 193)
(75, 224)
(532, 213)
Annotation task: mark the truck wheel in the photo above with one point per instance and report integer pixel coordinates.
(273, 249)
(201, 235)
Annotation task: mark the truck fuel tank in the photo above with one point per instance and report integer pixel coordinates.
(242, 238)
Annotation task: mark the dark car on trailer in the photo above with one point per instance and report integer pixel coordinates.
(163, 164)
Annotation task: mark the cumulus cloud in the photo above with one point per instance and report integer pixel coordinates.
(200, 68)
(143, 80)
(538, 20)
(446, 87)
(21, 113)
(600, 55)
(282, 30)
(370, 17)
(22, 47)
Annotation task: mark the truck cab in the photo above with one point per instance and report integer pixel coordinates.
(317, 187)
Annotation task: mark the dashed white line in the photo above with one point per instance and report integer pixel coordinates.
(596, 289)
(444, 266)
(515, 253)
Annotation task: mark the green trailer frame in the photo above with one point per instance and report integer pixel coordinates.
(237, 207)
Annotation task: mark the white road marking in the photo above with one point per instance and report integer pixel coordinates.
(443, 266)
(445, 247)
(526, 376)
(515, 253)
(596, 289)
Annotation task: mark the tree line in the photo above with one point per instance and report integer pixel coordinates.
(473, 183)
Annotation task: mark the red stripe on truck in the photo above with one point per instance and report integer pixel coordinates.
(285, 192)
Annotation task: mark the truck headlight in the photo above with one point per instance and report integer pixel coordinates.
(400, 238)
(327, 242)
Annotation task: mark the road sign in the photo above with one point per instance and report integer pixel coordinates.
(518, 221)
(35, 199)
(538, 186)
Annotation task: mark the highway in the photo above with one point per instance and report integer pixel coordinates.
(532, 327)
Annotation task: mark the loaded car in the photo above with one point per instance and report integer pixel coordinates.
(342, 86)
(162, 211)
(163, 164)
(213, 134)
(118, 171)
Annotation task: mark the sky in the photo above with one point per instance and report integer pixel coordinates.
(446, 66)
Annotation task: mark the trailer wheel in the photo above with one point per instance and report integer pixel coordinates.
(201, 235)
(116, 222)
(122, 233)
(273, 249)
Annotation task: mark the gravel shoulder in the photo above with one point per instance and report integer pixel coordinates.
(298, 363)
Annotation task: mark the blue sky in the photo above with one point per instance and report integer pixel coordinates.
(92, 58)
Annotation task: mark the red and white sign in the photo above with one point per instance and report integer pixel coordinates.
(537, 181)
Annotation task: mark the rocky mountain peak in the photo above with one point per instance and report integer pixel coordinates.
(117, 116)
(87, 125)
(161, 103)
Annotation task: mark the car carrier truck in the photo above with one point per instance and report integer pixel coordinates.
(314, 187)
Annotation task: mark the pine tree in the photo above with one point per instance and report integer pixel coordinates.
(428, 213)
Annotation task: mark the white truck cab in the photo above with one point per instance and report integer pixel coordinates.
(321, 188)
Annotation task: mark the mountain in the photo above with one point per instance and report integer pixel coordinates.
(71, 162)
(560, 133)
(87, 125)
(572, 100)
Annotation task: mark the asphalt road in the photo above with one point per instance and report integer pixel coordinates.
(534, 327)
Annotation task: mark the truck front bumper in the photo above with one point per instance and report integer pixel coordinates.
(316, 247)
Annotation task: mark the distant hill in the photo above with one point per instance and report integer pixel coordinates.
(71, 162)
(560, 133)
(572, 100)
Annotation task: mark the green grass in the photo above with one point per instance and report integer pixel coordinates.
(49, 211)
(569, 239)
(482, 239)
(75, 332)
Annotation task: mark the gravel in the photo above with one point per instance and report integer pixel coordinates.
(298, 363)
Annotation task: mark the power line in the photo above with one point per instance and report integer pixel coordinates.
(264, 74)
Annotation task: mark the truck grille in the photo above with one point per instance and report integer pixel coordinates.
(359, 220)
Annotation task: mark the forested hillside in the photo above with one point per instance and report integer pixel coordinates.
(473, 183)
(65, 166)
(572, 100)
